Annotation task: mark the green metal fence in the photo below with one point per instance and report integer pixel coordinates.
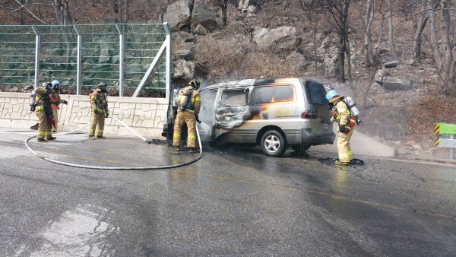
(134, 56)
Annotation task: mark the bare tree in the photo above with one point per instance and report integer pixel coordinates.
(390, 27)
(369, 18)
(23, 7)
(62, 12)
(224, 4)
(121, 9)
(421, 24)
(312, 10)
(382, 12)
(443, 54)
(37, 9)
(339, 12)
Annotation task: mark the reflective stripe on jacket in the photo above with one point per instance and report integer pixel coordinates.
(99, 101)
(55, 98)
(342, 111)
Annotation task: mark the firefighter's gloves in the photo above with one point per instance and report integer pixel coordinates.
(332, 119)
(32, 107)
(107, 115)
(197, 119)
(95, 111)
(65, 102)
(342, 128)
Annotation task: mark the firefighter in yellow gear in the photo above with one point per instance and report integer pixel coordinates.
(99, 104)
(55, 102)
(342, 116)
(43, 110)
(189, 104)
(32, 95)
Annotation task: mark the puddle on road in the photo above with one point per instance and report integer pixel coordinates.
(78, 232)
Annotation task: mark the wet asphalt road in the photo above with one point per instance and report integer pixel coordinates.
(232, 202)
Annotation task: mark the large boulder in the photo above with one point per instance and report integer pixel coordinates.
(178, 15)
(392, 80)
(200, 30)
(204, 16)
(185, 54)
(282, 39)
(298, 61)
(329, 55)
(182, 37)
(186, 70)
(380, 74)
(392, 64)
(391, 83)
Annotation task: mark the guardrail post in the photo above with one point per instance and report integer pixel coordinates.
(78, 61)
(448, 141)
(121, 60)
(37, 56)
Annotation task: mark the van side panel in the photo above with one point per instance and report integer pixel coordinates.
(273, 104)
(242, 110)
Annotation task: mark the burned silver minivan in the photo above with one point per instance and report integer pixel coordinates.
(275, 113)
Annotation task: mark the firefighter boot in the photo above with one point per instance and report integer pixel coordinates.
(42, 140)
(101, 137)
(193, 150)
(91, 137)
(341, 163)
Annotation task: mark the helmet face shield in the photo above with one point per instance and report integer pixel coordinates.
(56, 85)
(48, 86)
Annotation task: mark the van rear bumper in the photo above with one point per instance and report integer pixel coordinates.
(306, 136)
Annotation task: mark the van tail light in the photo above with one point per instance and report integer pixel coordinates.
(308, 115)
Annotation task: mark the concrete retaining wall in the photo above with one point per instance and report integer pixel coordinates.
(144, 115)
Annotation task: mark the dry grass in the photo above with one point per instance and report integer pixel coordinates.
(426, 112)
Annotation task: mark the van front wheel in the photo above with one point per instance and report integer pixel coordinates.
(273, 143)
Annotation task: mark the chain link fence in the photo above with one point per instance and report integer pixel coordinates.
(81, 56)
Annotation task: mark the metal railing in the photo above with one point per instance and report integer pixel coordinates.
(134, 56)
(445, 137)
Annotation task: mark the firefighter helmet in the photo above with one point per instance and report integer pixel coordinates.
(330, 94)
(48, 86)
(56, 85)
(103, 85)
(195, 83)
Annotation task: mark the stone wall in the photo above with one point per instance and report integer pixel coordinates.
(144, 115)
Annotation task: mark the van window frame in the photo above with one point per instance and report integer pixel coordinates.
(311, 94)
(245, 91)
(258, 87)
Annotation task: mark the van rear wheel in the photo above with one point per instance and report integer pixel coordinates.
(273, 143)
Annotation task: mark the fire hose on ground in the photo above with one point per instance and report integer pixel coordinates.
(118, 168)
